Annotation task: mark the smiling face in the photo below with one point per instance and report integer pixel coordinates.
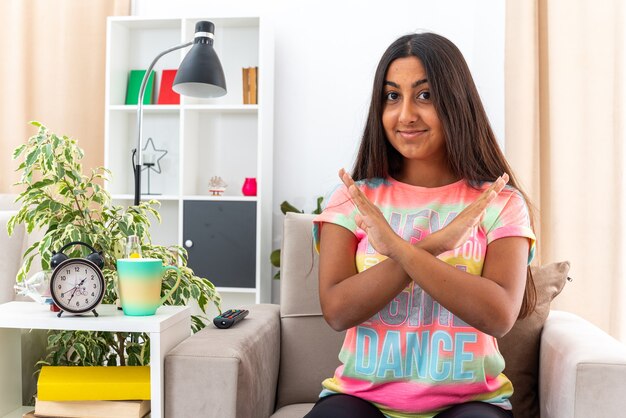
(410, 120)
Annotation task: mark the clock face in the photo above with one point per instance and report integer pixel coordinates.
(77, 285)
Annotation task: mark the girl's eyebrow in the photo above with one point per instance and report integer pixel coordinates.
(417, 83)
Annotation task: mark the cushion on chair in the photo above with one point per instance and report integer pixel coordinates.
(299, 264)
(520, 347)
(309, 354)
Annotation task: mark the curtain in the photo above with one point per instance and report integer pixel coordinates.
(564, 116)
(52, 71)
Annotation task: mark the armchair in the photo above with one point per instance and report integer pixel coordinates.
(33, 341)
(272, 363)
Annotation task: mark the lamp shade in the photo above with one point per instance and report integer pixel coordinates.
(201, 74)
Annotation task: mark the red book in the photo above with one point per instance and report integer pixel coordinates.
(166, 94)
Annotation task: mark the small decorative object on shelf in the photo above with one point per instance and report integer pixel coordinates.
(36, 287)
(139, 281)
(166, 94)
(133, 247)
(217, 186)
(152, 160)
(249, 75)
(77, 284)
(134, 84)
(249, 187)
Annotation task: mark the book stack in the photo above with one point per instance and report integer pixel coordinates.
(250, 79)
(93, 392)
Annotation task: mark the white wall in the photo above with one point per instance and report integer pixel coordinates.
(326, 55)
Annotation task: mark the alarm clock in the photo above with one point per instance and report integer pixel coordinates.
(77, 284)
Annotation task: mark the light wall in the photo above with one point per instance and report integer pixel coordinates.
(325, 57)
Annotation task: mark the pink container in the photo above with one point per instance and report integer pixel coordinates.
(249, 187)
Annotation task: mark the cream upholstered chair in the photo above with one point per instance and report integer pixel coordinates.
(272, 363)
(11, 257)
(11, 250)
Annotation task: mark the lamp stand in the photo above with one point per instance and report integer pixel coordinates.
(200, 74)
(137, 152)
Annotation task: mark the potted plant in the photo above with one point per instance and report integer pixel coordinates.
(58, 198)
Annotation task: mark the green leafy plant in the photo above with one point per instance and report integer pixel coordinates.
(70, 206)
(285, 208)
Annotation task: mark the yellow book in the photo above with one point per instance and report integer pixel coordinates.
(93, 383)
(91, 409)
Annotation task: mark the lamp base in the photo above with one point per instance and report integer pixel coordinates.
(149, 165)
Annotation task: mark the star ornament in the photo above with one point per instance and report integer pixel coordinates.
(152, 157)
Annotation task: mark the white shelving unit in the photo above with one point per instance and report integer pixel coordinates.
(167, 328)
(203, 138)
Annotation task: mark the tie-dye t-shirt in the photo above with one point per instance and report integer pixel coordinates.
(414, 358)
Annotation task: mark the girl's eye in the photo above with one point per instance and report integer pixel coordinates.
(391, 96)
(424, 95)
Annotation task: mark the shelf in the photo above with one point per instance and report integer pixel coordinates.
(204, 138)
(146, 108)
(222, 198)
(134, 23)
(19, 412)
(31, 315)
(233, 108)
(236, 289)
(164, 198)
(145, 23)
(159, 197)
(237, 108)
(167, 328)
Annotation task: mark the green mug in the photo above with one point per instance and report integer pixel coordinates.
(139, 283)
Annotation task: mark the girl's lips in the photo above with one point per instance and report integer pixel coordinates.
(411, 133)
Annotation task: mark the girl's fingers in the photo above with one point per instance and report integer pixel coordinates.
(499, 184)
(345, 178)
(360, 200)
(478, 206)
(492, 191)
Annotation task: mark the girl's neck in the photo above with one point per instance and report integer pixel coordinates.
(424, 175)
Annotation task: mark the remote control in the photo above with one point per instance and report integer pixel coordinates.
(230, 317)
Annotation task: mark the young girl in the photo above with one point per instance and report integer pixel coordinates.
(424, 260)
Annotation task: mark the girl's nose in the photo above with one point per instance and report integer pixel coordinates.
(408, 112)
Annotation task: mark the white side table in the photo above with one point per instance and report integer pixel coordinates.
(170, 326)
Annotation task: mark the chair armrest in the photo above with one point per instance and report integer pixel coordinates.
(226, 372)
(582, 370)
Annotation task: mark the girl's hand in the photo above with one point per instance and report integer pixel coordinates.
(457, 232)
(371, 220)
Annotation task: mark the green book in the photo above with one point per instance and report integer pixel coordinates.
(134, 84)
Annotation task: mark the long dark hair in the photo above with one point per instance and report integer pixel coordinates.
(471, 147)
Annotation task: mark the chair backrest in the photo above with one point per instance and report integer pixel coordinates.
(11, 255)
(309, 347)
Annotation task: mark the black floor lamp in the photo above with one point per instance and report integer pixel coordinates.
(200, 74)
